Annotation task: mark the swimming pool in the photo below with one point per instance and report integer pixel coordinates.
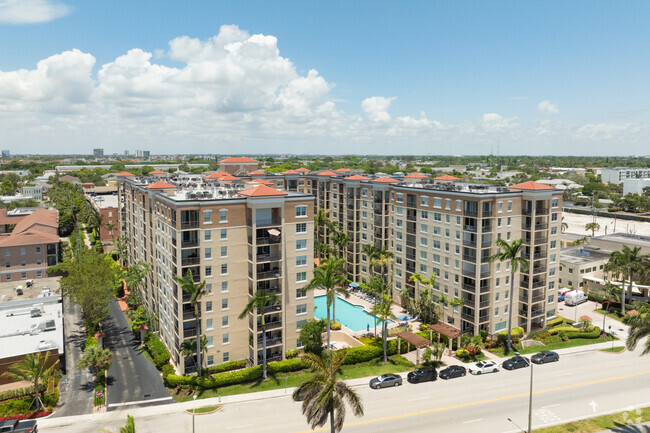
(353, 317)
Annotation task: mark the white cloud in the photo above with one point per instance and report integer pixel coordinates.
(31, 11)
(548, 107)
(376, 108)
(493, 122)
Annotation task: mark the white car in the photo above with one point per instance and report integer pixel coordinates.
(484, 367)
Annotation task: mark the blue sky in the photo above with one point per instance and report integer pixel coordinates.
(387, 77)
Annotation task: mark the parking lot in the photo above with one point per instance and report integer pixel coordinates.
(8, 288)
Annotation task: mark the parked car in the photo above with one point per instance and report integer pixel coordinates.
(515, 362)
(422, 375)
(544, 357)
(15, 426)
(575, 297)
(452, 371)
(560, 297)
(484, 367)
(561, 294)
(386, 380)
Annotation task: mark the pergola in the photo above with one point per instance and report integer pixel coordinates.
(415, 340)
(448, 331)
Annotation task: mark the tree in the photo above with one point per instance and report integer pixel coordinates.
(311, 336)
(7, 188)
(259, 302)
(129, 427)
(453, 303)
(611, 295)
(384, 259)
(424, 304)
(136, 274)
(196, 292)
(322, 222)
(188, 348)
(341, 240)
(639, 329)
(110, 226)
(95, 358)
(593, 226)
(33, 368)
(384, 312)
(122, 246)
(329, 277)
(323, 394)
(627, 262)
(512, 253)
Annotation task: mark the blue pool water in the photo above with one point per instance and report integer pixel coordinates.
(350, 316)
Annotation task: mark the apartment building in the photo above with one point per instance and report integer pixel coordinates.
(618, 175)
(237, 236)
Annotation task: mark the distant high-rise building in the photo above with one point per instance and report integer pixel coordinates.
(142, 153)
(6, 154)
(98, 153)
(126, 153)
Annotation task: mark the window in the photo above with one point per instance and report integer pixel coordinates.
(301, 244)
(423, 268)
(225, 338)
(208, 325)
(436, 258)
(496, 311)
(446, 233)
(39, 273)
(499, 222)
(22, 251)
(224, 287)
(207, 216)
(500, 207)
(208, 306)
(436, 231)
(301, 228)
(208, 253)
(496, 296)
(210, 359)
(505, 309)
(38, 249)
(509, 205)
(224, 321)
(553, 231)
(8, 277)
(224, 269)
(223, 215)
(207, 235)
(224, 234)
(423, 241)
(301, 211)
(497, 283)
(226, 356)
(7, 253)
(448, 204)
(550, 299)
(554, 203)
(399, 210)
(552, 258)
(459, 205)
(301, 309)
(436, 245)
(301, 277)
(437, 202)
(23, 263)
(509, 221)
(399, 198)
(398, 236)
(224, 251)
(210, 342)
(300, 324)
(553, 244)
(424, 228)
(423, 255)
(554, 216)
(424, 200)
(208, 271)
(224, 304)
(399, 223)
(301, 261)
(300, 293)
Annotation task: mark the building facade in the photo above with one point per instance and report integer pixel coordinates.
(580, 262)
(98, 153)
(618, 175)
(238, 166)
(237, 237)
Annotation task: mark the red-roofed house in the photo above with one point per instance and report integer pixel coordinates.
(158, 173)
(261, 182)
(357, 177)
(342, 170)
(161, 185)
(31, 247)
(215, 175)
(238, 166)
(303, 170)
(291, 172)
(228, 178)
(257, 173)
(125, 174)
(416, 175)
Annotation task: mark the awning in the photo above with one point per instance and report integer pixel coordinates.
(274, 232)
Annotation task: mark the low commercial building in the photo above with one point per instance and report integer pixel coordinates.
(579, 262)
(617, 175)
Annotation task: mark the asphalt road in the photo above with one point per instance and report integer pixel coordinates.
(132, 380)
(76, 385)
(578, 386)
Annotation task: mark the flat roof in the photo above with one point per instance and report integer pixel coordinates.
(579, 255)
(105, 201)
(626, 238)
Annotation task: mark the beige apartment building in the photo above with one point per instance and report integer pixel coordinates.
(237, 236)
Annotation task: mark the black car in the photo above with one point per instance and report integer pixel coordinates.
(515, 362)
(386, 380)
(452, 371)
(422, 375)
(544, 357)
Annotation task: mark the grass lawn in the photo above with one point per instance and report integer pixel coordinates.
(611, 314)
(205, 409)
(561, 345)
(472, 359)
(614, 349)
(294, 379)
(600, 423)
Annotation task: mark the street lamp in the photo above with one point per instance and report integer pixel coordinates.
(193, 411)
(515, 424)
(530, 395)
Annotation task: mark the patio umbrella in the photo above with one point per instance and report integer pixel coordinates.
(354, 284)
(403, 317)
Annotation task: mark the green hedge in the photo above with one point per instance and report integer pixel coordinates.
(226, 366)
(91, 341)
(157, 350)
(364, 353)
(216, 380)
(15, 393)
(554, 331)
(400, 360)
(285, 366)
(517, 331)
(594, 333)
(555, 322)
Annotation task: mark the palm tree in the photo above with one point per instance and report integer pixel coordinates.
(95, 358)
(453, 303)
(259, 302)
(419, 279)
(196, 292)
(188, 347)
(322, 221)
(110, 226)
(627, 262)
(341, 240)
(639, 329)
(611, 295)
(564, 225)
(384, 312)
(384, 259)
(510, 252)
(33, 368)
(593, 226)
(331, 278)
(323, 394)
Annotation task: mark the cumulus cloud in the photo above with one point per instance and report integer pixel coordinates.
(31, 11)
(547, 107)
(494, 122)
(376, 108)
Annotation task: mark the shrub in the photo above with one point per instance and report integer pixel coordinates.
(391, 346)
(226, 366)
(400, 360)
(157, 350)
(559, 329)
(15, 393)
(173, 380)
(167, 369)
(555, 322)
(364, 353)
(285, 366)
(91, 341)
(592, 332)
(473, 350)
(293, 353)
(229, 377)
(335, 326)
(484, 335)
(552, 339)
(562, 335)
(462, 353)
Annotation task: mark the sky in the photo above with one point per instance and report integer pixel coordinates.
(329, 77)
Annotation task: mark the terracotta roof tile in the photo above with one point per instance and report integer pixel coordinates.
(385, 179)
(342, 170)
(291, 172)
(229, 177)
(327, 173)
(160, 185)
(236, 159)
(446, 177)
(357, 177)
(157, 172)
(257, 173)
(416, 176)
(261, 191)
(262, 181)
(216, 175)
(531, 186)
(303, 170)
(41, 226)
(124, 174)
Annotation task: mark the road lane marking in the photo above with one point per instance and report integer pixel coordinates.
(552, 405)
(420, 398)
(131, 403)
(473, 420)
(491, 400)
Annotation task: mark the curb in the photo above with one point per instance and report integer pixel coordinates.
(204, 413)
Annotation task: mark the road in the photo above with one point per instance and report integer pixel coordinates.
(76, 385)
(577, 386)
(132, 379)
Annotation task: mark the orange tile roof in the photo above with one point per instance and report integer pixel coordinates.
(262, 181)
(157, 172)
(160, 185)
(238, 160)
(327, 173)
(257, 173)
(385, 179)
(216, 175)
(416, 176)
(291, 172)
(303, 170)
(124, 174)
(228, 177)
(5, 219)
(357, 177)
(40, 227)
(446, 177)
(342, 170)
(87, 184)
(261, 191)
(531, 186)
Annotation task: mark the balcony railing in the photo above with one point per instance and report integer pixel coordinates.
(189, 261)
(469, 288)
(465, 316)
(272, 308)
(192, 224)
(267, 257)
(265, 275)
(269, 342)
(469, 243)
(469, 302)
(539, 269)
(538, 226)
(268, 240)
(484, 304)
(191, 243)
(541, 255)
(471, 228)
(272, 325)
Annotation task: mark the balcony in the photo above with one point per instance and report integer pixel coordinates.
(268, 240)
(190, 261)
(270, 342)
(533, 300)
(541, 240)
(272, 325)
(273, 257)
(484, 318)
(471, 228)
(273, 308)
(468, 287)
(194, 224)
(189, 332)
(469, 302)
(541, 255)
(190, 243)
(469, 243)
(469, 258)
(471, 212)
(483, 304)
(534, 313)
(267, 275)
(539, 269)
(538, 226)
(468, 317)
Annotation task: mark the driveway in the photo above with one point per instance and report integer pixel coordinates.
(588, 309)
(76, 396)
(132, 380)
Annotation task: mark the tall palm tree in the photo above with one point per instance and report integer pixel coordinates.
(188, 347)
(322, 222)
(110, 226)
(341, 240)
(384, 312)
(512, 253)
(639, 329)
(384, 259)
(593, 226)
(95, 358)
(196, 292)
(259, 301)
(324, 394)
(453, 303)
(627, 262)
(330, 276)
(611, 295)
(33, 368)
(419, 279)
(564, 225)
